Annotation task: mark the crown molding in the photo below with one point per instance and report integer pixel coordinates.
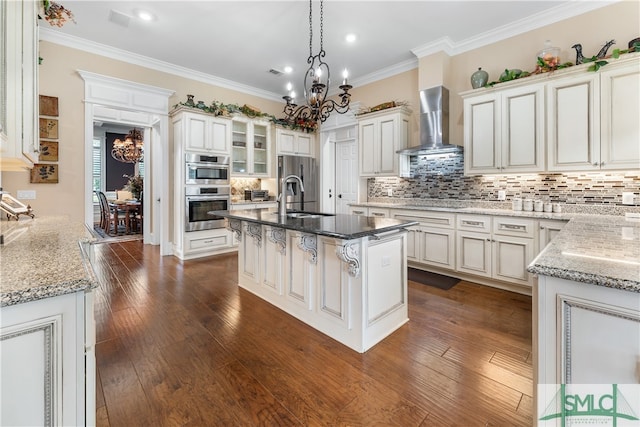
(383, 73)
(60, 38)
(542, 19)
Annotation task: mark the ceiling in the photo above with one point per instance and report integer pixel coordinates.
(235, 43)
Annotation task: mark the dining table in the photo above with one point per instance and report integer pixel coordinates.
(130, 208)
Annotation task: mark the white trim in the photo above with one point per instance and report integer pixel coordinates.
(547, 17)
(125, 99)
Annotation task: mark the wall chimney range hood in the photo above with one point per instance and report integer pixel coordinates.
(434, 124)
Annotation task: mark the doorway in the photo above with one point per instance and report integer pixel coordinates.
(118, 101)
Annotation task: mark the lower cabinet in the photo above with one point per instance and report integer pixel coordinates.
(432, 242)
(47, 368)
(501, 247)
(196, 244)
(582, 340)
(547, 230)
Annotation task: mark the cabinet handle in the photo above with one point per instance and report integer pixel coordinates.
(513, 227)
(377, 214)
(472, 223)
(542, 227)
(358, 212)
(595, 164)
(208, 241)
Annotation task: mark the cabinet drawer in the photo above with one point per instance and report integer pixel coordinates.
(211, 242)
(430, 218)
(508, 226)
(477, 223)
(379, 212)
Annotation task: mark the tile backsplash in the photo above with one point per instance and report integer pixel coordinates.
(442, 177)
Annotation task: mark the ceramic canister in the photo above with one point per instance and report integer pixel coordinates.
(479, 78)
(548, 207)
(516, 204)
(527, 205)
(538, 205)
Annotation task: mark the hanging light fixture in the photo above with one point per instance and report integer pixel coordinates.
(131, 150)
(316, 86)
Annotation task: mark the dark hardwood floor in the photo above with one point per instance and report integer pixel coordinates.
(179, 344)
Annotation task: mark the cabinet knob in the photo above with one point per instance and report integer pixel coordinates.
(601, 163)
(595, 163)
(339, 196)
(542, 227)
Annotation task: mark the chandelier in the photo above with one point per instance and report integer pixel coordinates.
(316, 86)
(131, 150)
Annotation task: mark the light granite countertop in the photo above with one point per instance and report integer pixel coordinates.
(42, 258)
(596, 249)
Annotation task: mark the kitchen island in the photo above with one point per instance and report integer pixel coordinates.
(47, 328)
(344, 275)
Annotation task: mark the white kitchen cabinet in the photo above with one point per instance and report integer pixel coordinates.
(504, 130)
(620, 109)
(205, 133)
(47, 373)
(251, 148)
(381, 134)
(19, 125)
(432, 242)
(379, 212)
(498, 247)
(297, 143)
(592, 118)
(547, 230)
(573, 114)
(586, 334)
(300, 271)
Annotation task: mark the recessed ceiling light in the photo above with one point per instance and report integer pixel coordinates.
(144, 15)
(350, 38)
(288, 69)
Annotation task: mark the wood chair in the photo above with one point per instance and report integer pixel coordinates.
(109, 215)
(138, 217)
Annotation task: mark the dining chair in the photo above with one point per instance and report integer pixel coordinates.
(110, 214)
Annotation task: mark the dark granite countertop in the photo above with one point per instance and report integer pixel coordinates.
(344, 227)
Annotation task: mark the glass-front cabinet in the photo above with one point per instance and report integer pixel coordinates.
(251, 148)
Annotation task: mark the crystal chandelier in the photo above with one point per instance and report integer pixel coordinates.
(131, 150)
(316, 86)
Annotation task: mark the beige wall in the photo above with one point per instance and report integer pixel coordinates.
(58, 77)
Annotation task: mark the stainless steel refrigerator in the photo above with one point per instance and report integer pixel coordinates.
(306, 169)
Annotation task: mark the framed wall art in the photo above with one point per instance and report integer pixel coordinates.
(48, 106)
(48, 151)
(44, 173)
(48, 128)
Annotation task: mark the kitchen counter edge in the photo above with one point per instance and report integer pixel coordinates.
(50, 256)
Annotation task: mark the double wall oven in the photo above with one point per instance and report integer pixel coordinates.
(207, 188)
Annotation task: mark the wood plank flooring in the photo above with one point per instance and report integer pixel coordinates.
(180, 344)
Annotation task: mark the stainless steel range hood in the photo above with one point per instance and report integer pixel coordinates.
(434, 124)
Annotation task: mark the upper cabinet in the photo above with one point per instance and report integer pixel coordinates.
(205, 133)
(382, 134)
(504, 131)
(567, 120)
(19, 137)
(297, 143)
(594, 119)
(251, 148)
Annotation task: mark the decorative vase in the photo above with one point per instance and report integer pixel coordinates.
(479, 78)
(190, 102)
